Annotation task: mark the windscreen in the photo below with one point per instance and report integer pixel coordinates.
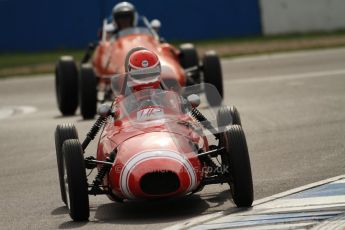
(122, 83)
(151, 107)
(134, 30)
(151, 104)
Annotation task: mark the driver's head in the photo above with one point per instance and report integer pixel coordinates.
(124, 15)
(144, 70)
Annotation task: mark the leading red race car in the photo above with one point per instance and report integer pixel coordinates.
(91, 83)
(154, 143)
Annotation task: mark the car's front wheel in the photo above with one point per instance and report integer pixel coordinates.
(213, 75)
(228, 115)
(66, 85)
(87, 92)
(236, 163)
(75, 180)
(62, 133)
(189, 58)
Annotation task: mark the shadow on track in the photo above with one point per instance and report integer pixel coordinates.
(145, 212)
(149, 212)
(71, 224)
(60, 211)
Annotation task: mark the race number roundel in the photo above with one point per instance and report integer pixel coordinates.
(144, 63)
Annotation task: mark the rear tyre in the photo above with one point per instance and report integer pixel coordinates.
(189, 58)
(87, 92)
(228, 115)
(213, 75)
(66, 85)
(63, 132)
(236, 160)
(76, 182)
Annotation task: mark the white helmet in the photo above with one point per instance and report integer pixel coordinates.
(124, 15)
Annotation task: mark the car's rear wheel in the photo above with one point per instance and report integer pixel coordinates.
(87, 92)
(66, 85)
(228, 115)
(189, 58)
(75, 180)
(213, 75)
(62, 133)
(236, 162)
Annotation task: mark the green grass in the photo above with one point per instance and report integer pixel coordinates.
(22, 63)
(11, 60)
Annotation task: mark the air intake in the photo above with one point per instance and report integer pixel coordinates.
(159, 183)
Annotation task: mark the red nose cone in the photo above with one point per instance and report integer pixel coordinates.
(157, 174)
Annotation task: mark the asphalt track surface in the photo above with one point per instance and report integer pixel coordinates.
(293, 112)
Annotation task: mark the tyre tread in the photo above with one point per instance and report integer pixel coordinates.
(77, 182)
(63, 132)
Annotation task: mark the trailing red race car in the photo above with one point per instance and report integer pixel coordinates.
(153, 144)
(90, 84)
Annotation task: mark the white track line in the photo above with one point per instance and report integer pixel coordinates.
(202, 219)
(6, 112)
(10, 111)
(285, 55)
(331, 73)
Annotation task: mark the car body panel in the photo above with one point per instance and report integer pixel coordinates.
(109, 56)
(168, 145)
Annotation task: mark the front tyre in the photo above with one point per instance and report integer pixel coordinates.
(236, 161)
(62, 133)
(66, 85)
(87, 92)
(228, 115)
(213, 75)
(189, 58)
(76, 182)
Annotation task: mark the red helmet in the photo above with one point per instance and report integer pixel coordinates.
(145, 69)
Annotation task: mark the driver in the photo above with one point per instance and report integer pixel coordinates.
(144, 75)
(143, 83)
(144, 70)
(124, 16)
(143, 78)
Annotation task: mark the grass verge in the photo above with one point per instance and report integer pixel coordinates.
(43, 62)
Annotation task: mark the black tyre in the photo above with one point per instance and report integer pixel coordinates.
(63, 132)
(228, 115)
(236, 159)
(75, 180)
(87, 92)
(213, 75)
(66, 85)
(189, 58)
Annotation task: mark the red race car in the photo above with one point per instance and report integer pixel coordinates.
(154, 143)
(90, 83)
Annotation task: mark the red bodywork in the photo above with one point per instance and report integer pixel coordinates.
(157, 151)
(109, 57)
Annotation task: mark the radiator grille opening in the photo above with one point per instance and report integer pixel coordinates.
(159, 183)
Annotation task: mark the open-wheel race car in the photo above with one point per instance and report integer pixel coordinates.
(154, 143)
(89, 84)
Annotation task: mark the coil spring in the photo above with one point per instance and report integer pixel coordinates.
(198, 115)
(93, 132)
(203, 120)
(102, 172)
(96, 127)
